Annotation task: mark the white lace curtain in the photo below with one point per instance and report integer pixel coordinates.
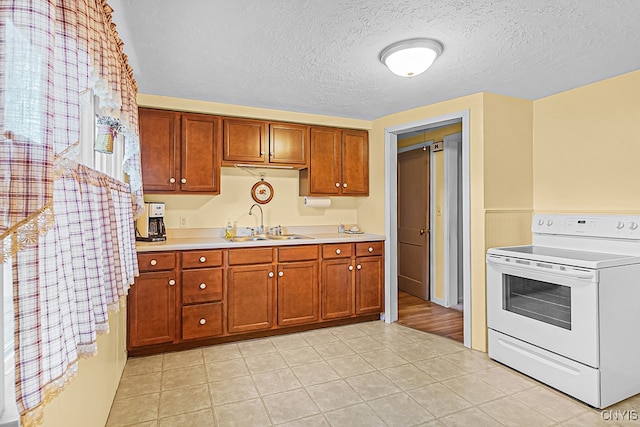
(67, 228)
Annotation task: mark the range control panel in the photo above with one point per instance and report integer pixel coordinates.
(615, 226)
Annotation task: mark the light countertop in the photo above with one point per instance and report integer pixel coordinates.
(211, 238)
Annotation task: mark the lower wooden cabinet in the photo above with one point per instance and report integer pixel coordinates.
(186, 297)
(337, 288)
(250, 298)
(369, 285)
(152, 309)
(352, 280)
(202, 321)
(297, 293)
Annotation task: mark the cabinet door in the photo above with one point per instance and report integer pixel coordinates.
(288, 144)
(244, 141)
(369, 285)
(159, 152)
(200, 166)
(251, 298)
(355, 163)
(337, 288)
(324, 161)
(151, 307)
(297, 293)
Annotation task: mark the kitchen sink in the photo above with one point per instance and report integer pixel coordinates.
(247, 238)
(287, 237)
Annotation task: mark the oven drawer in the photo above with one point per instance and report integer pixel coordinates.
(566, 375)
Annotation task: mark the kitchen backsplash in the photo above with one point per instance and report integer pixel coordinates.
(234, 201)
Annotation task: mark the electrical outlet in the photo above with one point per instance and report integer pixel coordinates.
(183, 221)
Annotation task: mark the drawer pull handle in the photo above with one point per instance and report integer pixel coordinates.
(359, 267)
(271, 274)
(351, 268)
(338, 251)
(202, 259)
(153, 262)
(172, 282)
(280, 274)
(370, 249)
(172, 180)
(203, 286)
(203, 321)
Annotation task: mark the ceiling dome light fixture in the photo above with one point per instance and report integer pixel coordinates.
(408, 58)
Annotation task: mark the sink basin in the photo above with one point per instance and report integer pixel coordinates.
(247, 238)
(288, 237)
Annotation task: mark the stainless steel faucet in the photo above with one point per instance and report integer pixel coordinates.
(261, 229)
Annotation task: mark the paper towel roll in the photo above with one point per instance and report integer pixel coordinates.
(317, 202)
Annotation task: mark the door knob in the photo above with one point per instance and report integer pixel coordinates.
(421, 231)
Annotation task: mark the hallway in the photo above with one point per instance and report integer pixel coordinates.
(429, 317)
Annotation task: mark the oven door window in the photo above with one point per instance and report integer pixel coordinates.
(547, 302)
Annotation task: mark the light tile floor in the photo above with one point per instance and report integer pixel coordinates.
(366, 374)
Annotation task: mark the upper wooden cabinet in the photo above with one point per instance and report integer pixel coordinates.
(262, 143)
(179, 152)
(338, 165)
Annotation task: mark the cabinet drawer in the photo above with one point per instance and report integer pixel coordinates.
(250, 256)
(201, 321)
(298, 253)
(338, 250)
(156, 261)
(369, 248)
(202, 285)
(197, 259)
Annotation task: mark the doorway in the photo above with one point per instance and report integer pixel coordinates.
(462, 269)
(424, 304)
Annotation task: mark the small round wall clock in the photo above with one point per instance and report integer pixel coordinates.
(262, 192)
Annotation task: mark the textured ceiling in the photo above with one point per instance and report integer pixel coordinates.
(322, 56)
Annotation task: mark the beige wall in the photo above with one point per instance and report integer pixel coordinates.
(286, 208)
(587, 148)
(88, 397)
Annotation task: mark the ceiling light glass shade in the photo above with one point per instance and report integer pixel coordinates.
(409, 58)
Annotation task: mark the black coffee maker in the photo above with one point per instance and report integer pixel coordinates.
(150, 226)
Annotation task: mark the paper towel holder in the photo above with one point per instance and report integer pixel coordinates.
(317, 202)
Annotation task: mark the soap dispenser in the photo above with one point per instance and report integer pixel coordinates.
(228, 230)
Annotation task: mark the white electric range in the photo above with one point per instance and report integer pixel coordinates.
(565, 309)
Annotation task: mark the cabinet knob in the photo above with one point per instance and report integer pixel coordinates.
(338, 251)
(203, 286)
(351, 268)
(280, 274)
(359, 267)
(262, 153)
(202, 259)
(271, 274)
(344, 185)
(153, 262)
(370, 249)
(183, 180)
(172, 282)
(203, 321)
(337, 184)
(172, 180)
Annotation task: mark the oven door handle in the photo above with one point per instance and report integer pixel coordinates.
(587, 275)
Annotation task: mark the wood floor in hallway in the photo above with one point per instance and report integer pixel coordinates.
(429, 317)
